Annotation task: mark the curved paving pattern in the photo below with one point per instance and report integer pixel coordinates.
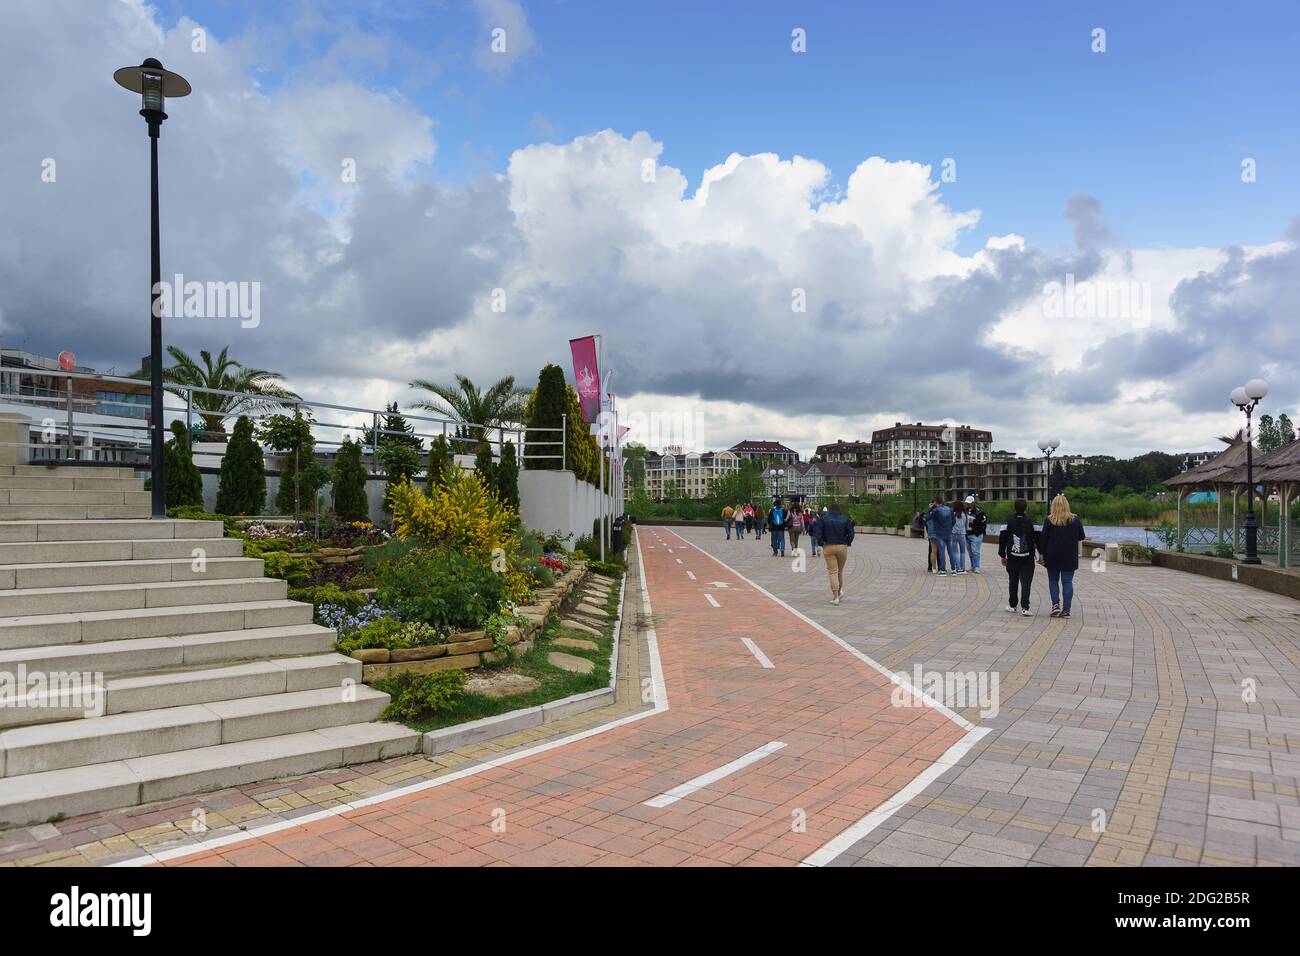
(1130, 713)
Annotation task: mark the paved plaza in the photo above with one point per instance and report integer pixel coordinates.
(758, 725)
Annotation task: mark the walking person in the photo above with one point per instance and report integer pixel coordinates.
(727, 512)
(978, 524)
(794, 528)
(776, 522)
(834, 532)
(749, 517)
(957, 537)
(1058, 545)
(809, 522)
(738, 516)
(760, 517)
(1017, 544)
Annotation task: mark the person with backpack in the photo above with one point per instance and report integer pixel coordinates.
(776, 522)
(1017, 544)
(834, 532)
(727, 512)
(978, 524)
(1058, 545)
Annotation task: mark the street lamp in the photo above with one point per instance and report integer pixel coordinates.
(775, 475)
(1047, 446)
(1247, 397)
(154, 84)
(914, 466)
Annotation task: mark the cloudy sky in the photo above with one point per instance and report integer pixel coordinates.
(958, 212)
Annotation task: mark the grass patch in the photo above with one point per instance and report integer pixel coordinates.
(555, 683)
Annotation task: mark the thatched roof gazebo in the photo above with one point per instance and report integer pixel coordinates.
(1225, 473)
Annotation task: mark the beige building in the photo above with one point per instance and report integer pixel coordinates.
(692, 473)
(935, 444)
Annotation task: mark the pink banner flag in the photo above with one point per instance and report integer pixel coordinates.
(586, 376)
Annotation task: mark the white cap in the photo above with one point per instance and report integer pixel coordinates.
(970, 499)
(823, 507)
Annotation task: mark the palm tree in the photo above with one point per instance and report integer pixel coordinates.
(227, 375)
(502, 404)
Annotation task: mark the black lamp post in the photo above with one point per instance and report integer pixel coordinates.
(1247, 397)
(1047, 446)
(154, 84)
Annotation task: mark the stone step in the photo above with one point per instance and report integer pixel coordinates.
(39, 748)
(63, 471)
(68, 574)
(53, 552)
(91, 626)
(90, 482)
(30, 602)
(96, 529)
(115, 658)
(47, 496)
(73, 511)
(36, 797)
(97, 696)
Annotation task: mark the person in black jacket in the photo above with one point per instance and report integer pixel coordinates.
(1058, 543)
(979, 523)
(1017, 544)
(834, 533)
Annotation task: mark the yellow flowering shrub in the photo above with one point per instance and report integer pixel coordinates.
(462, 514)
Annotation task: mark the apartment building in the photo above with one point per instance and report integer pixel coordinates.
(764, 451)
(1001, 480)
(691, 473)
(936, 444)
(856, 454)
(814, 482)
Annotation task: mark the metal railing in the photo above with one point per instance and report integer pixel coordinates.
(121, 437)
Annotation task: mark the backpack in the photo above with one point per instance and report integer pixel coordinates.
(778, 517)
(1021, 541)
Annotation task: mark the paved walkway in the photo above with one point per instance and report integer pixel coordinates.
(766, 733)
(1122, 735)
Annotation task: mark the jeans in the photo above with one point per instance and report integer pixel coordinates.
(1058, 581)
(815, 549)
(726, 523)
(740, 528)
(1020, 571)
(778, 540)
(957, 550)
(973, 542)
(948, 544)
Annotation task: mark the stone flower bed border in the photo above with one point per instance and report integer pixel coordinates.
(476, 731)
(470, 649)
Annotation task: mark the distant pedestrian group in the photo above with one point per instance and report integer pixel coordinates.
(829, 533)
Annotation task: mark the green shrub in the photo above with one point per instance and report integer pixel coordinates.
(442, 588)
(399, 461)
(182, 482)
(508, 476)
(417, 697)
(485, 467)
(294, 568)
(350, 502)
(241, 489)
(607, 568)
(301, 475)
(440, 461)
(318, 594)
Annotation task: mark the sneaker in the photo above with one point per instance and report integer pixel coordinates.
(943, 573)
(976, 571)
(1065, 614)
(835, 602)
(960, 571)
(1027, 613)
(1056, 611)
(1010, 609)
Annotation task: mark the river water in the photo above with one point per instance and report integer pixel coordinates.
(1111, 534)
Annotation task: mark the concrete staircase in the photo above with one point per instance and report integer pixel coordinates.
(169, 664)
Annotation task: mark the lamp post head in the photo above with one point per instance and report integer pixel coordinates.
(154, 84)
(1239, 397)
(1256, 389)
(922, 463)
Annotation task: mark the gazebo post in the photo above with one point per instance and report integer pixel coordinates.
(1179, 539)
(1235, 526)
(1218, 514)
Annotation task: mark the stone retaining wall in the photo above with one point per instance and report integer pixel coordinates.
(471, 648)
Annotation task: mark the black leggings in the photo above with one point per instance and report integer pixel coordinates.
(1020, 571)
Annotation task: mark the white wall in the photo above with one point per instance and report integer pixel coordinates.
(557, 500)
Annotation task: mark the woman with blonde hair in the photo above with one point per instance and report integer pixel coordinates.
(1058, 545)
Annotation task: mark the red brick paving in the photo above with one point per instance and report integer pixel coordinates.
(847, 751)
